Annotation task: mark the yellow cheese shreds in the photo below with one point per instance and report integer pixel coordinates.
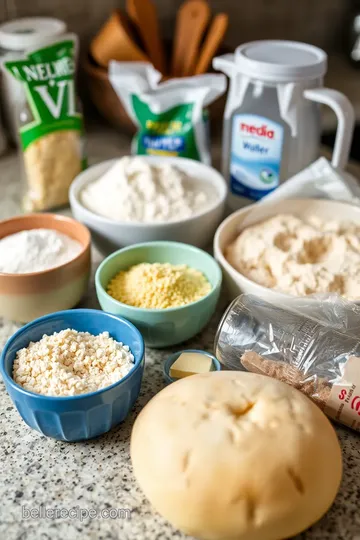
(158, 286)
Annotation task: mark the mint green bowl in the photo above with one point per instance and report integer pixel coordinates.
(162, 327)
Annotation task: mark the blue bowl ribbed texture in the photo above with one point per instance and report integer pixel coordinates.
(83, 416)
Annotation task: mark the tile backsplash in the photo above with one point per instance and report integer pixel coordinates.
(314, 21)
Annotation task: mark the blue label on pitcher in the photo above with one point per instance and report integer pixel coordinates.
(255, 159)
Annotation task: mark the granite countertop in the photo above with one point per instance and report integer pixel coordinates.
(97, 475)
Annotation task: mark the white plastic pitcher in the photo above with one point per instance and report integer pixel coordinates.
(272, 122)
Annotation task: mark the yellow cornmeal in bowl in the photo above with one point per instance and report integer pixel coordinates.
(158, 286)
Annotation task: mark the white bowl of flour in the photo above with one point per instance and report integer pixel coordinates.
(144, 198)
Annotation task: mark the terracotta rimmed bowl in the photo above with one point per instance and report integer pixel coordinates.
(24, 297)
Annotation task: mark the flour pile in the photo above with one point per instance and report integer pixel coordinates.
(135, 191)
(36, 250)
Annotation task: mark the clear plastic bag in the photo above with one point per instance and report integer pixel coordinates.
(318, 355)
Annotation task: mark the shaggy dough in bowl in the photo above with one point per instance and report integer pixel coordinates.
(300, 256)
(233, 455)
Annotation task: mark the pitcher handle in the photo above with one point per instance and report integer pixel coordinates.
(345, 121)
(225, 63)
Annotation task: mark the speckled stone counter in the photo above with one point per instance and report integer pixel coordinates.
(36, 472)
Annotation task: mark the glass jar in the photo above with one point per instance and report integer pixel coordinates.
(309, 345)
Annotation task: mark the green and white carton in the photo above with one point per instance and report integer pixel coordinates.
(171, 117)
(50, 123)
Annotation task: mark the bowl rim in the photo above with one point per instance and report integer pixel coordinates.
(54, 217)
(218, 252)
(81, 179)
(163, 244)
(9, 380)
(171, 358)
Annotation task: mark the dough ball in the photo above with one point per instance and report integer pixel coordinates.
(236, 456)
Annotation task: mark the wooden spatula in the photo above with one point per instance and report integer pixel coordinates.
(115, 41)
(212, 42)
(191, 22)
(144, 15)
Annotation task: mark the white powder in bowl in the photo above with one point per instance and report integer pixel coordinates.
(133, 190)
(35, 250)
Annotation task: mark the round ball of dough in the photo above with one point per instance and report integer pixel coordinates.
(232, 455)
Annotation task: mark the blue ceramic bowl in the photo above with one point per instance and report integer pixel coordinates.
(216, 366)
(83, 416)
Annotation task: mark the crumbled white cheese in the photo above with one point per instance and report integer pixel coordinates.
(70, 362)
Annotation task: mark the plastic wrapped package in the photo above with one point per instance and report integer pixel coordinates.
(50, 122)
(318, 355)
(171, 116)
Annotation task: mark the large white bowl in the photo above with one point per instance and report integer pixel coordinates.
(235, 282)
(109, 235)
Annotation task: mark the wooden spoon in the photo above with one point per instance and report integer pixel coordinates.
(212, 42)
(144, 15)
(115, 41)
(191, 22)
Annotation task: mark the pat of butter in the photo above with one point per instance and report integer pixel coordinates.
(190, 364)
